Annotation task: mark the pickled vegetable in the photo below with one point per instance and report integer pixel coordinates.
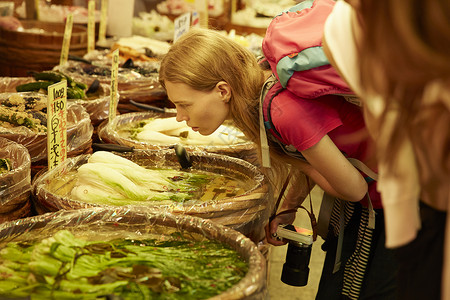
(66, 267)
(5, 165)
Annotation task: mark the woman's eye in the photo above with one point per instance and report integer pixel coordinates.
(183, 106)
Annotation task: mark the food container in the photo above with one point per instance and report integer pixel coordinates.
(97, 106)
(246, 212)
(139, 83)
(79, 131)
(105, 224)
(37, 47)
(15, 185)
(116, 133)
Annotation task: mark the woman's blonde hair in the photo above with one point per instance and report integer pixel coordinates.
(201, 58)
(405, 56)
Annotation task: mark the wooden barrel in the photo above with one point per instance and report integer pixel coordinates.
(246, 213)
(111, 133)
(105, 224)
(39, 49)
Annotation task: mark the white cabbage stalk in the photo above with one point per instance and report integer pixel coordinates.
(101, 176)
(169, 131)
(151, 179)
(108, 177)
(157, 137)
(164, 124)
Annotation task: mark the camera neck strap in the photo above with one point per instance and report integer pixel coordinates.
(310, 213)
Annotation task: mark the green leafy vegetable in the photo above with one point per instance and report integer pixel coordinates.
(65, 267)
(5, 165)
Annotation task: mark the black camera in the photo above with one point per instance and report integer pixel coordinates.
(296, 267)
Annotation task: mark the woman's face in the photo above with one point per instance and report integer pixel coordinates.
(203, 111)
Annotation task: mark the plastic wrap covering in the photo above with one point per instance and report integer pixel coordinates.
(15, 185)
(131, 222)
(8, 84)
(247, 212)
(97, 108)
(139, 83)
(115, 133)
(79, 131)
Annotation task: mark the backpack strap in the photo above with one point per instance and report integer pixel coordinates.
(265, 155)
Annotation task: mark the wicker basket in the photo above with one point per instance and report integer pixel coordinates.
(23, 51)
(109, 133)
(15, 186)
(246, 213)
(126, 222)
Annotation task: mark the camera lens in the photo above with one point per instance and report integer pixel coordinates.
(296, 268)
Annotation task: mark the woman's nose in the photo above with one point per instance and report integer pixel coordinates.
(181, 116)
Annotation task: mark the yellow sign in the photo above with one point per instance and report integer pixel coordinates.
(103, 18)
(114, 74)
(66, 40)
(91, 26)
(57, 124)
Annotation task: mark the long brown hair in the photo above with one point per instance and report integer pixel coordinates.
(201, 58)
(404, 54)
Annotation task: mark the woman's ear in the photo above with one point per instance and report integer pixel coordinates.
(224, 91)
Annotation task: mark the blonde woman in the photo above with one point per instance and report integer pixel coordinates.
(210, 79)
(396, 56)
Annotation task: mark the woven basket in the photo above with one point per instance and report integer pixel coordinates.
(246, 213)
(23, 51)
(109, 133)
(126, 222)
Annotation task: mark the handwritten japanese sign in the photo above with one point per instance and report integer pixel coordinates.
(182, 24)
(66, 40)
(57, 124)
(114, 74)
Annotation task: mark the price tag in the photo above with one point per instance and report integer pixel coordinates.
(57, 124)
(91, 26)
(182, 24)
(103, 18)
(202, 7)
(114, 74)
(66, 40)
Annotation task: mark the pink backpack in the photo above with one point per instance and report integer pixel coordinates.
(293, 47)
